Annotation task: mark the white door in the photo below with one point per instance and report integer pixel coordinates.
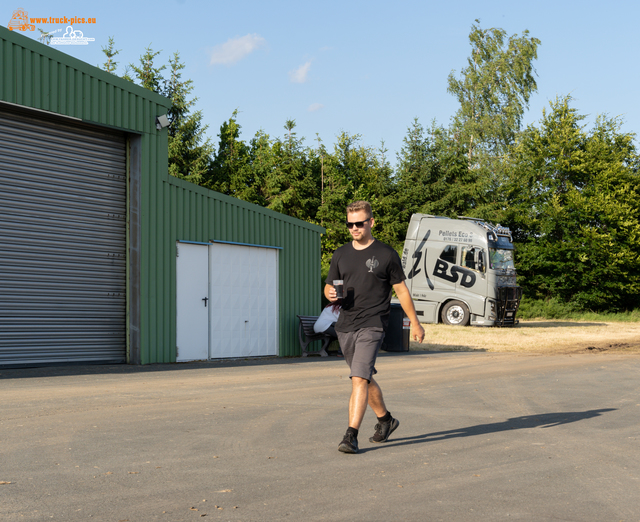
(192, 296)
(244, 301)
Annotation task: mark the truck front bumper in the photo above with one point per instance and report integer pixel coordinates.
(507, 303)
(501, 311)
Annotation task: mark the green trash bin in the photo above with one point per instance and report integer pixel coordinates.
(396, 338)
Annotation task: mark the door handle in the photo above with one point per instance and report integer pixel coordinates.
(205, 301)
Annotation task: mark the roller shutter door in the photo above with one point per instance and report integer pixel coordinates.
(62, 243)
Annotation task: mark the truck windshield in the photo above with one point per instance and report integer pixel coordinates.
(501, 259)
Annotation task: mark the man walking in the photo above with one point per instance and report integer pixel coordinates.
(369, 269)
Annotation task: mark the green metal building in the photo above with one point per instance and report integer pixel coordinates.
(97, 240)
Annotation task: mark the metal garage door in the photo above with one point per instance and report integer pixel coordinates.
(226, 301)
(62, 243)
(243, 311)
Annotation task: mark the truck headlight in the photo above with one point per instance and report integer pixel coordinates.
(492, 309)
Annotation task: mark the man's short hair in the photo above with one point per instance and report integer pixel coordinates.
(357, 206)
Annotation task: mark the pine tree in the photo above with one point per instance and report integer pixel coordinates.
(433, 176)
(230, 162)
(150, 77)
(110, 65)
(291, 186)
(190, 151)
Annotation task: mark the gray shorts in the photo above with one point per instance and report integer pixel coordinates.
(360, 349)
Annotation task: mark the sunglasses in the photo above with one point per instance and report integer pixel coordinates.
(357, 224)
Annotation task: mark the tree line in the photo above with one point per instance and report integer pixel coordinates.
(570, 194)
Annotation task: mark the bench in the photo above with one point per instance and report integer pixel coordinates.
(307, 335)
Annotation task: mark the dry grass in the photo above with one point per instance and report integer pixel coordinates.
(543, 337)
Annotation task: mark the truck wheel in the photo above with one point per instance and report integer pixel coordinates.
(455, 313)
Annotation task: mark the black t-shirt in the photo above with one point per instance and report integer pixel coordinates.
(368, 277)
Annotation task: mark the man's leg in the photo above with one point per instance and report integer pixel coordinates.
(386, 423)
(358, 401)
(360, 397)
(364, 390)
(376, 401)
(363, 393)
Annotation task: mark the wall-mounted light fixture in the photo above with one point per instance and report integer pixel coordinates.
(162, 122)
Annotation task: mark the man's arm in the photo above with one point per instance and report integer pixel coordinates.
(417, 332)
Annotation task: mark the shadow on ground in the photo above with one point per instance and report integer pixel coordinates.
(544, 420)
(443, 348)
(556, 324)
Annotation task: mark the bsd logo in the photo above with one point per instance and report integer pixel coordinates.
(468, 277)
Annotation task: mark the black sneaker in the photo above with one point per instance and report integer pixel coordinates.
(384, 429)
(349, 444)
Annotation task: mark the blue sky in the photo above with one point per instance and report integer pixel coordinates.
(364, 67)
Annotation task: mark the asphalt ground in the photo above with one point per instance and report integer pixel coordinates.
(482, 436)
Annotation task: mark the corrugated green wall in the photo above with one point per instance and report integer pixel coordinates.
(37, 76)
(190, 213)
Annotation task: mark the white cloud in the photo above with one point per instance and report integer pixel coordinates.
(299, 75)
(235, 49)
(315, 107)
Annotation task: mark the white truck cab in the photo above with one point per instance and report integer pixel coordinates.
(461, 271)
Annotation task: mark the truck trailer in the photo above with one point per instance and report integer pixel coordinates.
(461, 271)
